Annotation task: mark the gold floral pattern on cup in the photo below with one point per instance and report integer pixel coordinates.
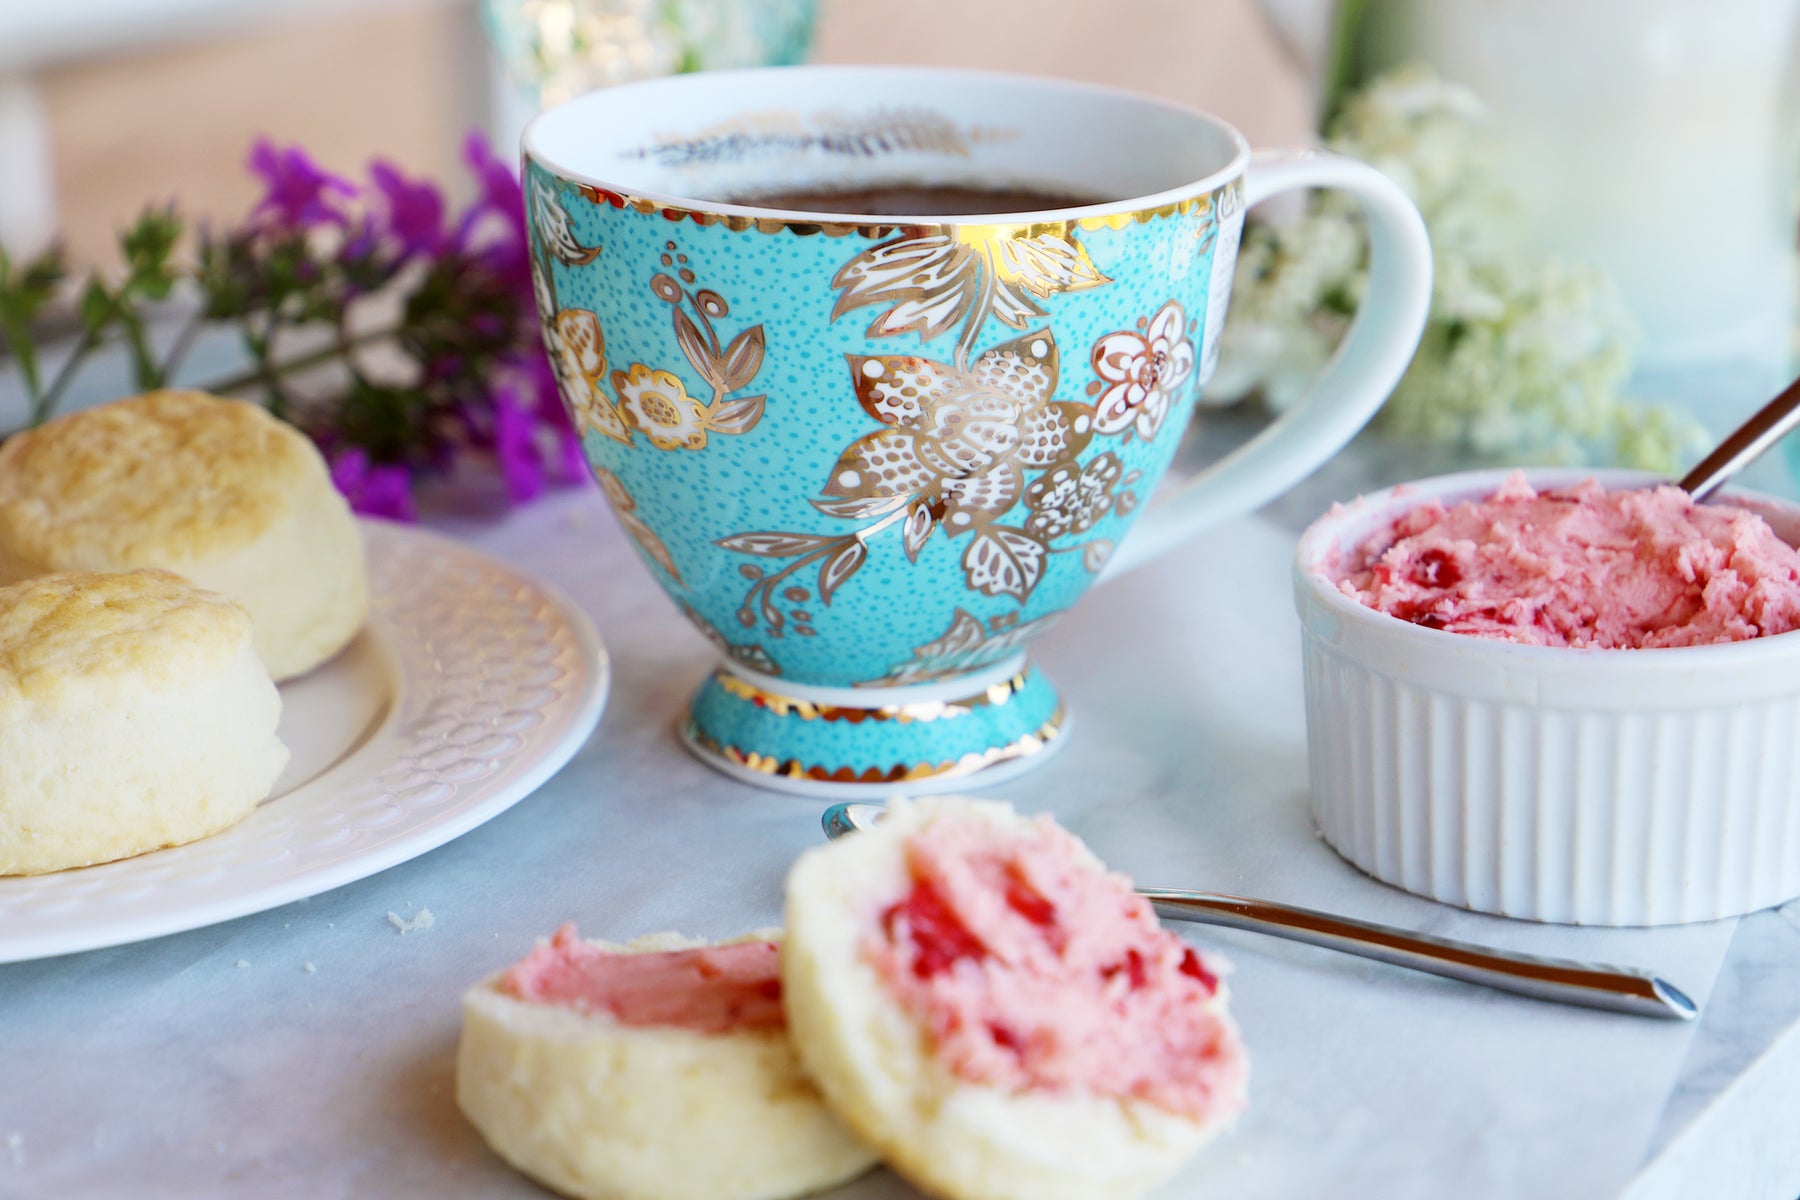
(956, 440)
(645, 398)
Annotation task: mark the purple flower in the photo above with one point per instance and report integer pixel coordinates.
(470, 419)
(468, 318)
(500, 192)
(443, 367)
(359, 245)
(371, 488)
(299, 192)
(574, 461)
(415, 210)
(536, 374)
(537, 393)
(570, 459)
(552, 414)
(515, 445)
(492, 228)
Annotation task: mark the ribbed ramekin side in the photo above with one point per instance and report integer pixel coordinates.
(1531, 811)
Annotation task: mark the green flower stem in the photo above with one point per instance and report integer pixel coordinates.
(152, 375)
(1346, 58)
(19, 340)
(184, 341)
(145, 370)
(44, 403)
(262, 349)
(269, 372)
(265, 369)
(345, 346)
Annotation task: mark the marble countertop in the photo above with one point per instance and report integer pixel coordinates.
(307, 1051)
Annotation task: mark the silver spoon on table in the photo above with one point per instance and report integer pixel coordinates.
(1591, 985)
(1563, 981)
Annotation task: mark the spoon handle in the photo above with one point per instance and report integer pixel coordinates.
(1770, 424)
(1592, 985)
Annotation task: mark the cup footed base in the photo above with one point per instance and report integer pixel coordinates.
(965, 732)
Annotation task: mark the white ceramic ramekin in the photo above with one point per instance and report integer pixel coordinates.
(1597, 787)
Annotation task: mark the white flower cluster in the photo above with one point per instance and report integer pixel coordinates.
(1522, 357)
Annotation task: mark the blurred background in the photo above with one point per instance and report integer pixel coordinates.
(1610, 185)
(107, 104)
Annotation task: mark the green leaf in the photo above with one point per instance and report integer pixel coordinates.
(223, 294)
(150, 241)
(18, 337)
(1347, 58)
(25, 293)
(45, 274)
(96, 308)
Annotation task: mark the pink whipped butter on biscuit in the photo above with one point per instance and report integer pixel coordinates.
(1582, 567)
(1032, 967)
(712, 989)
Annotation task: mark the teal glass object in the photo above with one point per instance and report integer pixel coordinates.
(557, 49)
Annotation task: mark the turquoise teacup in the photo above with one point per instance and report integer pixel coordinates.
(872, 456)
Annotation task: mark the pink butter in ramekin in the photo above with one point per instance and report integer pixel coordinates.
(1595, 787)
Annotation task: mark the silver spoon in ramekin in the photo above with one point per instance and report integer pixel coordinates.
(1745, 444)
(1561, 981)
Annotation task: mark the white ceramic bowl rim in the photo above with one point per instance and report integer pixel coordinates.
(1747, 663)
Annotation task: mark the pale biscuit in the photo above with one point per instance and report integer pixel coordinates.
(604, 1111)
(134, 714)
(216, 490)
(874, 1063)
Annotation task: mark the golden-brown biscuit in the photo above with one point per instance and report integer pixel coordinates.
(134, 714)
(215, 490)
(1036, 1036)
(604, 1110)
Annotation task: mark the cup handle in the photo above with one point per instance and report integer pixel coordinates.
(1367, 365)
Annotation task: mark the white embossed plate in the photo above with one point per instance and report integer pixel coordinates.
(469, 687)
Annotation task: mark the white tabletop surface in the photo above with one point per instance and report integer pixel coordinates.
(308, 1051)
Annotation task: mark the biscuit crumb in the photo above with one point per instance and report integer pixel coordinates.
(419, 920)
